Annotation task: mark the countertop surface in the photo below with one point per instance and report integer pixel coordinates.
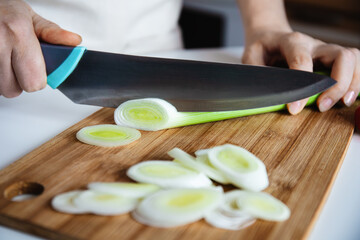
(32, 119)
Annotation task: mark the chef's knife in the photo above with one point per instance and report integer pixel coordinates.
(108, 79)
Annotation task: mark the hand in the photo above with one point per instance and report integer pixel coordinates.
(301, 52)
(22, 65)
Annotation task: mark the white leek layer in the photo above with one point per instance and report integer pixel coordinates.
(219, 219)
(167, 174)
(107, 204)
(132, 190)
(176, 207)
(241, 168)
(200, 164)
(64, 202)
(108, 135)
(261, 205)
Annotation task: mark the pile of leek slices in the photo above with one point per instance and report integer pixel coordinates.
(179, 192)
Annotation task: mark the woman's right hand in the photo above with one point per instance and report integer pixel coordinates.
(22, 64)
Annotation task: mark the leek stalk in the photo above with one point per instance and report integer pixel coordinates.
(151, 114)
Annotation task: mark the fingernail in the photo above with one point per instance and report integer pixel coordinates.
(294, 107)
(349, 98)
(325, 104)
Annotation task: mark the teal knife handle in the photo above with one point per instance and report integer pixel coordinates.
(60, 62)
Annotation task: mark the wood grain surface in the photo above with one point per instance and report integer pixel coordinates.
(302, 154)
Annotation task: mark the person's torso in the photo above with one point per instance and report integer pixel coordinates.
(126, 26)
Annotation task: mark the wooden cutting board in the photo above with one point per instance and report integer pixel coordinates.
(302, 154)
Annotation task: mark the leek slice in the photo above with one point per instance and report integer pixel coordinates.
(230, 207)
(176, 207)
(149, 114)
(262, 205)
(107, 204)
(167, 175)
(200, 165)
(228, 215)
(149, 221)
(211, 171)
(152, 114)
(185, 159)
(202, 152)
(242, 168)
(132, 190)
(107, 135)
(65, 203)
(219, 219)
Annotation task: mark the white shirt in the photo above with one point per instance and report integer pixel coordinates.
(122, 26)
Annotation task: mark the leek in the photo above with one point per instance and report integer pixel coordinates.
(176, 207)
(152, 114)
(107, 135)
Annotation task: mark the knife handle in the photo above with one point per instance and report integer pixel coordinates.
(60, 62)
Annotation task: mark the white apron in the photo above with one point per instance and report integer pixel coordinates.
(122, 26)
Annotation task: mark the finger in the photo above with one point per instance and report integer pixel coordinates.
(343, 68)
(296, 107)
(26, 57)
(254, 54)
(354, 87)
(50, 32)
(9, 87)
(299, 57)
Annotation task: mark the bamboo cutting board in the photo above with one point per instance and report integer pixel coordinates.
(302, 154)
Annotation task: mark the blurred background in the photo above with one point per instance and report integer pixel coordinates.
(217, 23)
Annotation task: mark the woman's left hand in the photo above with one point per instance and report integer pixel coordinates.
(265, 47)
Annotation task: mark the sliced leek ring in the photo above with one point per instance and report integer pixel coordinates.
(228, 215)
(106, 204)
(107, 135)
(262, 205)
(211, 171)
(202, 152)
(176, 207)
(132, 190)
(230, 207)
(241, 167)
(150, 114)
(167, 175)
(200, 165)
(150, 222)
(219, 219)
(65, 203)
(185, 159)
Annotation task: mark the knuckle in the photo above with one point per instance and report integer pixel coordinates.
(11, 94)
(301, 59)
(17, 26)
(340, 88)
(355, 51)
(347, 54)
(296, 36)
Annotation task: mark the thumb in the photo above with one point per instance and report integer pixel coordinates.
(50, 32)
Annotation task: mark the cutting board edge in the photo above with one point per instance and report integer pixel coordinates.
(328, 190)
(28, 228)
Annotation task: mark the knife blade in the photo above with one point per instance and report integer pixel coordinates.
(108, 79)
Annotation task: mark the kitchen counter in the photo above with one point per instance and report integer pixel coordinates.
(32, 119)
